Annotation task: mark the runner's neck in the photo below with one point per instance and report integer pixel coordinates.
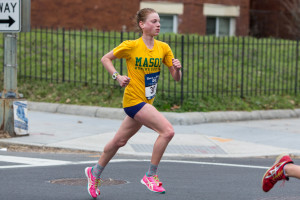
(149, 41)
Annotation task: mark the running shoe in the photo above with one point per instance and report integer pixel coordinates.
(153, 184)
(93, 183)
(275, 173)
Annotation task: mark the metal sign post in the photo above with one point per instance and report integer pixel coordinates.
(10, 66)
(14, 18)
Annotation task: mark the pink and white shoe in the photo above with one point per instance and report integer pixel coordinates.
(153, 184)
(93, 183)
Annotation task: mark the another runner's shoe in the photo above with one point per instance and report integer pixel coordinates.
(275, 173)
(153, 184)
(93, 183)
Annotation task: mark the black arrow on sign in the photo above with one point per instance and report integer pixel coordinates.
(8, 21)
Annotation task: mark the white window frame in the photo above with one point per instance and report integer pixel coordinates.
(231, 26)
(175, 22)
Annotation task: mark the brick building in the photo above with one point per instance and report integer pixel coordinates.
(219, 17)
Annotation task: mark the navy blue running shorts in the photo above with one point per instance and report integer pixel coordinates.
(131, 111)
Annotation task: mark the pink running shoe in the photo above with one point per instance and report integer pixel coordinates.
(93, 183)
(153, 184)
(275, 173)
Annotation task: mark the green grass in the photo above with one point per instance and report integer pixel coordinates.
(92, 95)
(41, 91)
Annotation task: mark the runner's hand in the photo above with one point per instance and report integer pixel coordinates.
(176, 64)
(123, 80)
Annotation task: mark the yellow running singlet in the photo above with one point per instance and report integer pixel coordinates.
(143, 67)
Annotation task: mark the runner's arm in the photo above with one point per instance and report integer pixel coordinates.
(107, 63)
(175, 70)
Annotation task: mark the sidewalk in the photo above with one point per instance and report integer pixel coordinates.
(214, 134)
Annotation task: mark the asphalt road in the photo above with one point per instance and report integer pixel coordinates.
(34, 176)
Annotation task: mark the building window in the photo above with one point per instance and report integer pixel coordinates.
(220, 26)
(220, 19)
(168, 23)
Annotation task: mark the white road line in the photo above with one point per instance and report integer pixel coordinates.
(17, 166)
(194, 162)
(39, 162)
(30, 161)
(217, 164)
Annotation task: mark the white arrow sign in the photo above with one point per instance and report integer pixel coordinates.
(10, 15)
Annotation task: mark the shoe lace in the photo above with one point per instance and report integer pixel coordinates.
(96, 181)
(156, 179)
(283, 182)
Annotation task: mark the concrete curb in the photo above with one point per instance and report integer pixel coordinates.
(90, 111)
(187, 118)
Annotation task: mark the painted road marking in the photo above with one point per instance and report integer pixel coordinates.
(221, 139)
(30, 162)
(25, 162)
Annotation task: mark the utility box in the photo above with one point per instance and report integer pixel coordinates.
(14, 119)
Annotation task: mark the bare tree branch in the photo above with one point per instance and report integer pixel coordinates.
(291, 17)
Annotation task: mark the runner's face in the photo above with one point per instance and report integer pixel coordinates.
(152, 24)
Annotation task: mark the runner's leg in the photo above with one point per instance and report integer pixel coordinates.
(127, 129)
(152, 118)
(292, 170)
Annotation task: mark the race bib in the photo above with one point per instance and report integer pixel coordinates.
(151, 85)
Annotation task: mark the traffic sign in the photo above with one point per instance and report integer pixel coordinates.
(10, 15)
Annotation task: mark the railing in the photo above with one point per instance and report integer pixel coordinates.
(212, 66)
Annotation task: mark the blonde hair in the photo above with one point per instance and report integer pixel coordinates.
(142, 15)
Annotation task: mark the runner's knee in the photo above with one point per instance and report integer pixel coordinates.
(115, 144)
(169, 133)
(121, 143)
